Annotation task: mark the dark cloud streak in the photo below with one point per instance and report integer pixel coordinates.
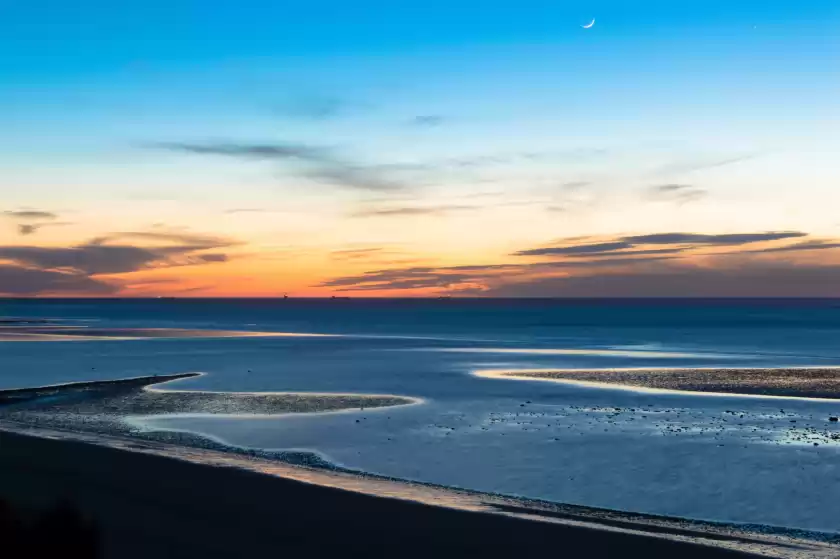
(726, 239)
(30, 214)
(677, 193)
(317, 163)
(24, 282)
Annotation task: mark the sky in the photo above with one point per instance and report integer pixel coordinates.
(368, 148)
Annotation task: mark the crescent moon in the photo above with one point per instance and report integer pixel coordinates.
(589, 25)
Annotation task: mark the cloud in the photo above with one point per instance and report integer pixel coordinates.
(413, 210)
(17, 281)
(245, 211)
(28, 229)
(315, 107)
(726, 239)
(677, 193)
(251, 151)
(101, 257)
(406, 278)
(702, 164)
(807, 245)
(37, 219)
(328, 165)
(34, 270)
(25, 229)
(317, 163)
(746, 279)
(652, 265)
(213, 257)
(597, 248)
(30, 214)
(183, 241)
(359, 253)
(615, 277)
(428, 121)
(84, 259)
(600, 254)
(465, 277)
(681, 242)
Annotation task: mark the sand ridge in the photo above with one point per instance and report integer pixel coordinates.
(804, 382)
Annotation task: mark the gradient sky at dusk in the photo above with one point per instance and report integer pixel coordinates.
(259, 147)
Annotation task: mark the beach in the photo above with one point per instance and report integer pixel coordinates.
(390, 400)
(148, 504)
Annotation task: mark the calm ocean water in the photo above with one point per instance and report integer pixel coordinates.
(674, 454)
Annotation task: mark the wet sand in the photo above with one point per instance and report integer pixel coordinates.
(795, 382)
(72, 441)
(189, 510)
(39, 333)
(118, 407)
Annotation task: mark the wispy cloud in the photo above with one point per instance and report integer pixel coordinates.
(583, 267)
(28, 229)
(359, 253)
(473, 276)
(178, 239)
(28, 215)
(702, 164)
(744, 278)
(676, 193)
(634, 245)
(87, 269)
(407, 278)
(35, 220)
(804, 246)
(317, 163)
(595, 248)
(413, 210)
(428, 121)
(316, 107)
(21, 281)
(726, 239)
(73, 268)
(329, 165)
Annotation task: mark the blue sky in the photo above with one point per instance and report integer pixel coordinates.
(108, 112)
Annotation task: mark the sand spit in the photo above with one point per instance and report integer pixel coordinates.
(816, 382)
(104, 407)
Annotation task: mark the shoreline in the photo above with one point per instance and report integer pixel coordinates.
(312, 469)
(121, 407)
(49, 332)
(595, 532)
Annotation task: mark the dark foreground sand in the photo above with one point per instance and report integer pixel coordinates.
(804, 382)
(149, 505)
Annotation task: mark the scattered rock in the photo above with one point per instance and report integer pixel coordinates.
(833, 419)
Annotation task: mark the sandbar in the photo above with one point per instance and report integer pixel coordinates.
(810, 382)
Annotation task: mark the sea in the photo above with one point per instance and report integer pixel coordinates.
(723, 458)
